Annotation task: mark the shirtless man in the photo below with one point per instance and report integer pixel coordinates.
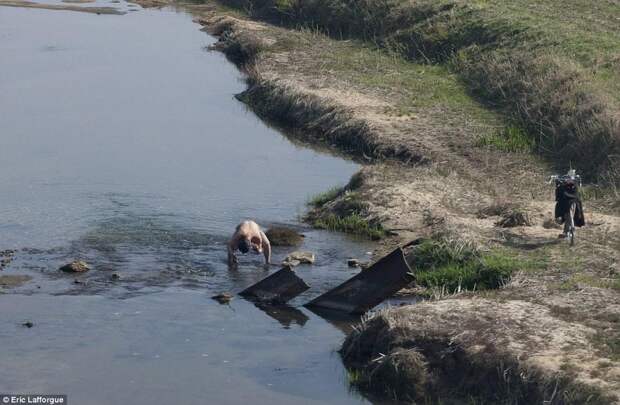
(248, 236)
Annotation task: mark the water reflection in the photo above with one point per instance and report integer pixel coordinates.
(340, 320)
(286, 315)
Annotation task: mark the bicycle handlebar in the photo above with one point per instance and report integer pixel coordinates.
(564, 177)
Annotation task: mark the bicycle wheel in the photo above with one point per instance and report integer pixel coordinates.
(571, 229)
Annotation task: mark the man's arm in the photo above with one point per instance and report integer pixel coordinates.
(266, 247)
(570, 196)
(232, 244)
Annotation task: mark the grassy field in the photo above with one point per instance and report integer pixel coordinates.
(551, 68)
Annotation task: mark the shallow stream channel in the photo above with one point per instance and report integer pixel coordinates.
(121, 144)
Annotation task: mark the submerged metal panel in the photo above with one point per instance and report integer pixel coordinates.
(370, 287)
(279, 288)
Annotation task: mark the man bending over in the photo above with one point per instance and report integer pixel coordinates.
(248, 235)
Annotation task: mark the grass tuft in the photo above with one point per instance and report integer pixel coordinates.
(352, 223)
(497, 208)
(321, 199)
(346, 213)
(455, 266)
(511, 139)
(514, 218)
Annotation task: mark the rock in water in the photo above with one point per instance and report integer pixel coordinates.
(281, 236)
(76, 266)
(302, 257)
(353, 263)
(291, 263)
(358, 263)
(223, 298)
(6, 256)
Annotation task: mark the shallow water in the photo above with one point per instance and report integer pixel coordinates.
(121, 144)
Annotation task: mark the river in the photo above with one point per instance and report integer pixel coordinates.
(121, 143)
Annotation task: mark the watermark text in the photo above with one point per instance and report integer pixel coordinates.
(40, 399)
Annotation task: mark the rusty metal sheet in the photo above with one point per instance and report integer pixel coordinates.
(370, 287)
(278, 288)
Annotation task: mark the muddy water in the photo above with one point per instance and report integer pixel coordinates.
(121, 144)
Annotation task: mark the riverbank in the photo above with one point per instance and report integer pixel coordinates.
(439, 162)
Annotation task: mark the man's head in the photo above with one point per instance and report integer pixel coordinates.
(244, 246)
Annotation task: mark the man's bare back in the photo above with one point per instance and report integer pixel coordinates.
(248, 235)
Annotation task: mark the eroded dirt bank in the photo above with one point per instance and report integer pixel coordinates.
(437, 352)
(552, 331)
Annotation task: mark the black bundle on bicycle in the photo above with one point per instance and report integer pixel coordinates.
(567, 194)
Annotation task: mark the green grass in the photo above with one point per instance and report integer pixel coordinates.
(453, 266)
(354, 376)
(592, 192)
(321, 199)
(510, 139)
(416, 85)
(352, 223)
(576, 29)
(591, 281)
(412, 87)
(589, 193)
(346, 214)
